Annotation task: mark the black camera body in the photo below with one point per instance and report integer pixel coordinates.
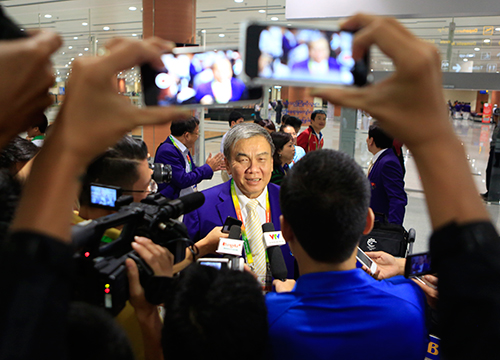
(101, 271)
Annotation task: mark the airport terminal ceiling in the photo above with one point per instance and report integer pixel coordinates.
(473, 48)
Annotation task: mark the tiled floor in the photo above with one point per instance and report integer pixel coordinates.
(475, 138)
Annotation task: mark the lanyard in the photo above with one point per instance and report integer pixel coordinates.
(187, 155)
(238, 214)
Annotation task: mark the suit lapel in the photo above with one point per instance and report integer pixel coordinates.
(225, 206)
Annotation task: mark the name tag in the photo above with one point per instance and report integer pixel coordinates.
(230, 247)
(274, 238)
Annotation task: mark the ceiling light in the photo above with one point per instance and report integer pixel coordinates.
(66, 65)
(106, 28)
(22, 29)
(466, 59)
(69, 63)
(97, 41)
(75, 38)
(477, 49)
(80, 54)
(70, 47)
(47, 16)
(63, 53)
(288, 24)
(274, 18)
(262, 11)
(132, 8)
(72, 59)
(470, 55)
(203, 31)
(221, 35)
(486, 40)
(134, 34)
(84, 23)
(238, 1)
(497, 29)
(86, 49)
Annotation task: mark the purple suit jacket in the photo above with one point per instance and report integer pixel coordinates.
(167, 153)
(238, 90)
(219, 205)
(303, 66)
(388, 195)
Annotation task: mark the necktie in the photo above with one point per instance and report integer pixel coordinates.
(370, 167)
(253, 228)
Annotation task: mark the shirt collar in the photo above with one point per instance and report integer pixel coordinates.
(332, 280)
(243, 199)
(319, 136)
(377, 155)
(180, 145)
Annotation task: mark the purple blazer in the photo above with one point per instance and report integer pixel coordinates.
(238, 90)
(219, 205)
(388, 195)
(167, 153)
(303, 66)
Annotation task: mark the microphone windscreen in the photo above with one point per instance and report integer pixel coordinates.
(267, 227)
(235, 232)
(277, 263)
(191, 202)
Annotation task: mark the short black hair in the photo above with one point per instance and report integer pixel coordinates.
(280, 139)
(316, 112)
(18, 150)
(338, 194)
(41, 122)
(234, 116)
(380, 137)
(267, 124)
(206, 305)
(116, 167)
(92, 333)
(179, 127)
(293, 121)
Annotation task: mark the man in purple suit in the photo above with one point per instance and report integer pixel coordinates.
(385, 173)
(319, 63)
(248, 150)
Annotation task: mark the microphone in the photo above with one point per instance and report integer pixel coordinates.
(235, 232)
(183, 205)
(276, 260)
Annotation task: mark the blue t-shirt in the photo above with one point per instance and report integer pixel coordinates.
(348, 315)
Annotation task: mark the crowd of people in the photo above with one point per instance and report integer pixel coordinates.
(325, 306)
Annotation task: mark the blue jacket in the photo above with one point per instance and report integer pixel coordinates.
(167, 153)
(388, 195)
(219, 205)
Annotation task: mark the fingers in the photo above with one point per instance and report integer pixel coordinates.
(160, 115)
(157, 257)
(431, 279)
(134, 283)
(125, 53)
(45, 43)
(352, 98)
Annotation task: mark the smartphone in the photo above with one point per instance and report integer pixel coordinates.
(218, 263)
(196, 77)
(365, 260)
(301, 56)
(230, 221)
(104, 196)
(418, 264)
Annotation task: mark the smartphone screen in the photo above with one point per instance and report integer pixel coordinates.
(365, 260)
(418, 264)
(230, 221)
(215, 263)
(104, 196)
(208, 78)
(302, 55)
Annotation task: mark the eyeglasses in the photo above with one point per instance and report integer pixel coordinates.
(152, 188)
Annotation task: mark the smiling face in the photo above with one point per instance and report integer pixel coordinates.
(319, 122)
(287, 153)
(251, 165)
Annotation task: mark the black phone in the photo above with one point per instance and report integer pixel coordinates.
(104, 196)
(230, 221)
(196, 77)
(301, 56)
(418, 264)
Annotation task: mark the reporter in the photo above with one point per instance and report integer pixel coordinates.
(464, 240)
(32, 316)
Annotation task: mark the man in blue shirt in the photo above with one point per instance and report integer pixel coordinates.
(336, 310)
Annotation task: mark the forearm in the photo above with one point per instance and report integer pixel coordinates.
(203, 249)
(450, 191)
(49, 193)
(151, 327)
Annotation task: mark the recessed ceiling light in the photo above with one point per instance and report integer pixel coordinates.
(132, 8)
(84, 23)
(203, 31)
(486, 40)
(80, 54)
(262, 11)
(97, 41)
(288, 24)
(477, 49)
(66, 65)
(470, 55)
(497, 29)
(63, 53)
(106, 28)
(47, 16)
(86, 49)
(221, 35)
(134, 34)
(22, 29)
(466, 59)
(70, 47)
(75, 38)
(238, 1)
(72, 59)
(69, 63)
(274, 18)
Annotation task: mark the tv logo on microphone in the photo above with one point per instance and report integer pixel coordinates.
(230, 247)
(274, 238)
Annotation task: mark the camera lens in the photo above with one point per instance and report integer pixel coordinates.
(162, 173)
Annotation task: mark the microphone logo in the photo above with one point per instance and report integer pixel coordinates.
(274, 238)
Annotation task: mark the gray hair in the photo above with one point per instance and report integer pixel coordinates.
(245, 131)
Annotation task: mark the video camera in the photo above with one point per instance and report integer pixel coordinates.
(101, 272)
